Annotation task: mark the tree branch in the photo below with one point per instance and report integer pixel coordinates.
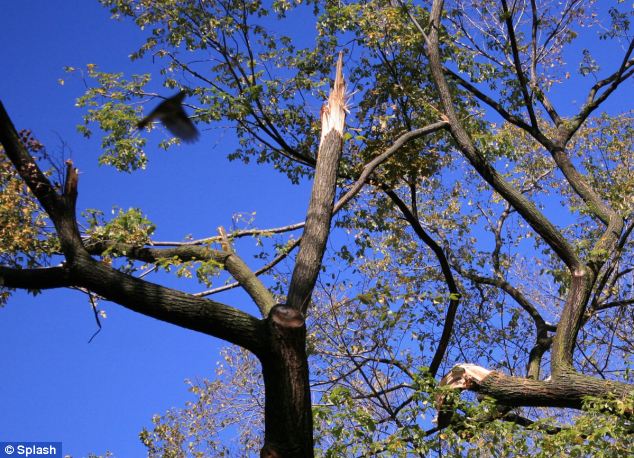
(454, 294)
(508, 19)
(39, 278)
(592, 101)
(567, 391)
(166, 304)
(320, 207)
(525, 207)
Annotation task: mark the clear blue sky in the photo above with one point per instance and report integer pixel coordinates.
(54, 385)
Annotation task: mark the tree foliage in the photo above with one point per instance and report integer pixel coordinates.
(501, 239)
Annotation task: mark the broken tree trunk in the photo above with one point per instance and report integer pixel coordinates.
(288, 412)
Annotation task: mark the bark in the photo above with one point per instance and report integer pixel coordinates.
(566, 388)
(38, 278)
(287, 411)
(321, 205)
(287, 408)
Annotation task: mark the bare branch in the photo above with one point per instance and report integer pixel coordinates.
(454, 294)
(508, 19)
(592, 101)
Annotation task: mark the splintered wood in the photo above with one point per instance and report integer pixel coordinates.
(333, 112)
(462, 374)
(461, 377)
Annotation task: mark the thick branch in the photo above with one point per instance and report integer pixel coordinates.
(202, 315)
(40, 278)
(583, 278)
(230, 261)
(320, 208)
(166, 304)
(525, 207)
(566, 391)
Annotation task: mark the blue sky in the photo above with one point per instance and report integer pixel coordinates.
(54, 385)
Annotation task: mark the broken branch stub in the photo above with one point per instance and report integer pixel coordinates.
(320, 208)
(333, 111)
(461, 377)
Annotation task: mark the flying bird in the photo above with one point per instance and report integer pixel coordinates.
(171, 113)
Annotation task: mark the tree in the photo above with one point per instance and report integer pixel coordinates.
(453, 154)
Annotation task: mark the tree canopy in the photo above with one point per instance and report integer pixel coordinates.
(469, 227)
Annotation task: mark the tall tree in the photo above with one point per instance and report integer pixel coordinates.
(489, 226)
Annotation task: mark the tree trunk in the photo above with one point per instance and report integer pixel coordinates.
(287, 409)
(288, 430)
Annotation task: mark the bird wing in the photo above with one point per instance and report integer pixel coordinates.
(181, 126)
(145, 121)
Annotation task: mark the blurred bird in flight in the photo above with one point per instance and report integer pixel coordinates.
(171, 113)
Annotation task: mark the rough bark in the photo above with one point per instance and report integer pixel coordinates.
(287, 408)
(566, 388)
(288, 413)
(321, 205)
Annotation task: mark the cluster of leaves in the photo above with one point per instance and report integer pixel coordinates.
(129, 227)
(23, 224)
(108, 104)
(224, 419)
(381, 308)
(25, 235)
(600, 430)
